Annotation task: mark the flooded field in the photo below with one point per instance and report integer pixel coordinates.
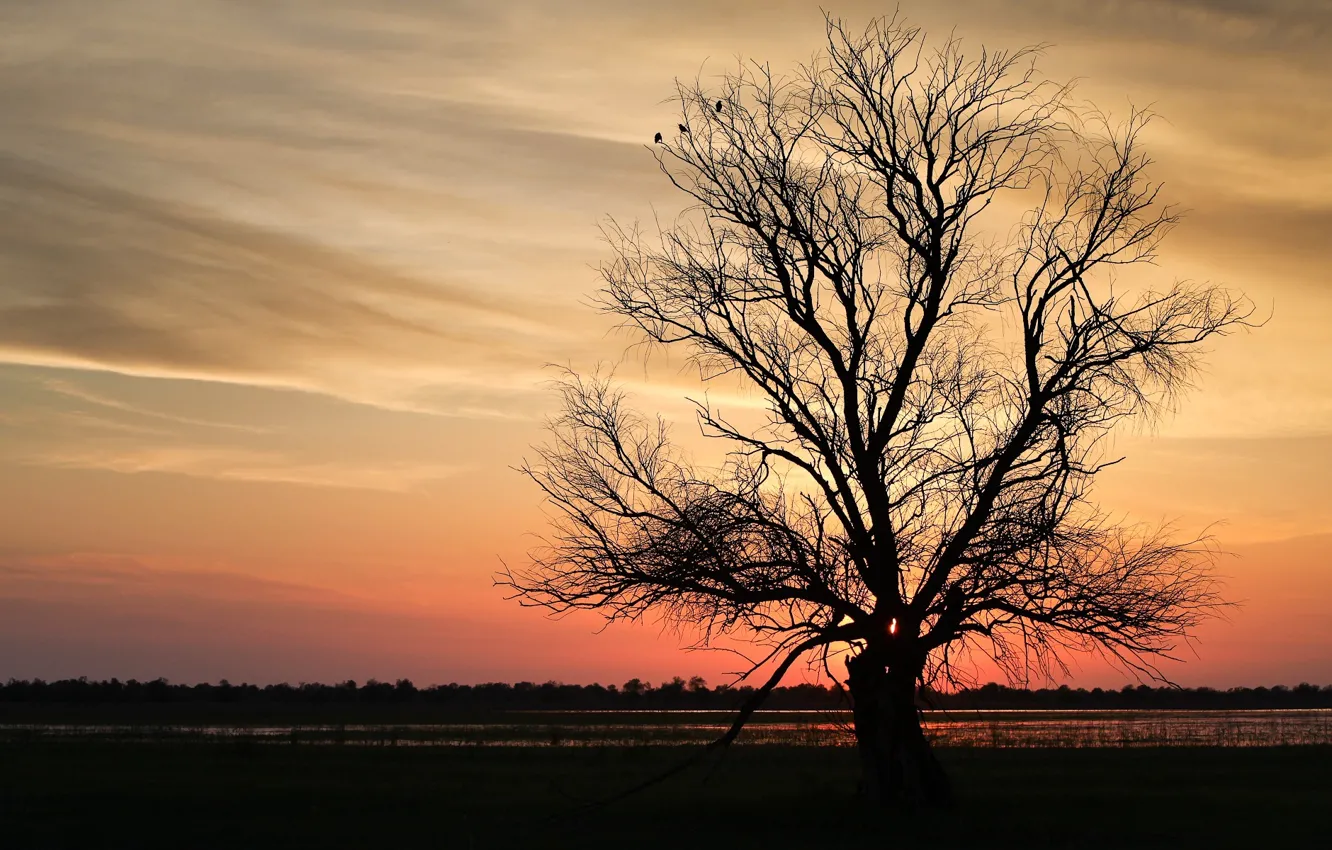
(997, 729)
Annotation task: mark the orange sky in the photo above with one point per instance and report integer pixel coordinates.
(277, 282)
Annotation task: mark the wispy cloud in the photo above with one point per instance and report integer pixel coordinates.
(103, 277)
(70, 390)
(233, 464)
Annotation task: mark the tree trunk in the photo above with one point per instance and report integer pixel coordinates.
(898, 766)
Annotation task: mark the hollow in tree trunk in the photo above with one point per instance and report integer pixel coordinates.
(897, 763)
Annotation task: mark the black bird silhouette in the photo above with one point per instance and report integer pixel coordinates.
(656, 140)
(684, 129)
(719, 106)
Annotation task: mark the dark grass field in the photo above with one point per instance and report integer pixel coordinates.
(242, 795)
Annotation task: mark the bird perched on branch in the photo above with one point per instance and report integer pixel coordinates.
(684, 129)
(656, 140)
(719, 106)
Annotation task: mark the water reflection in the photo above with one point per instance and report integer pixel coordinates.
(671, 728)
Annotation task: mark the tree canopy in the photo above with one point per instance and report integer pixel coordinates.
(913, 257)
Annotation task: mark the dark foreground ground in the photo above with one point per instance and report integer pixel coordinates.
(246, 795)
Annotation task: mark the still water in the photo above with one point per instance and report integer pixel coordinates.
(808, 728)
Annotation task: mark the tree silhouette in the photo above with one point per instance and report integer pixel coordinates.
(939, 382)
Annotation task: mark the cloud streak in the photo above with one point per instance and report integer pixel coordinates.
(97, 276)
(231, 464)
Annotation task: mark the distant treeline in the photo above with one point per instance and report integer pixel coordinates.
(634, 694)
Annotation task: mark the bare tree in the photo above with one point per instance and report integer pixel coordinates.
(939, 382)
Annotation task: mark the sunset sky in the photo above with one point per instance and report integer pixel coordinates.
(279, 282)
